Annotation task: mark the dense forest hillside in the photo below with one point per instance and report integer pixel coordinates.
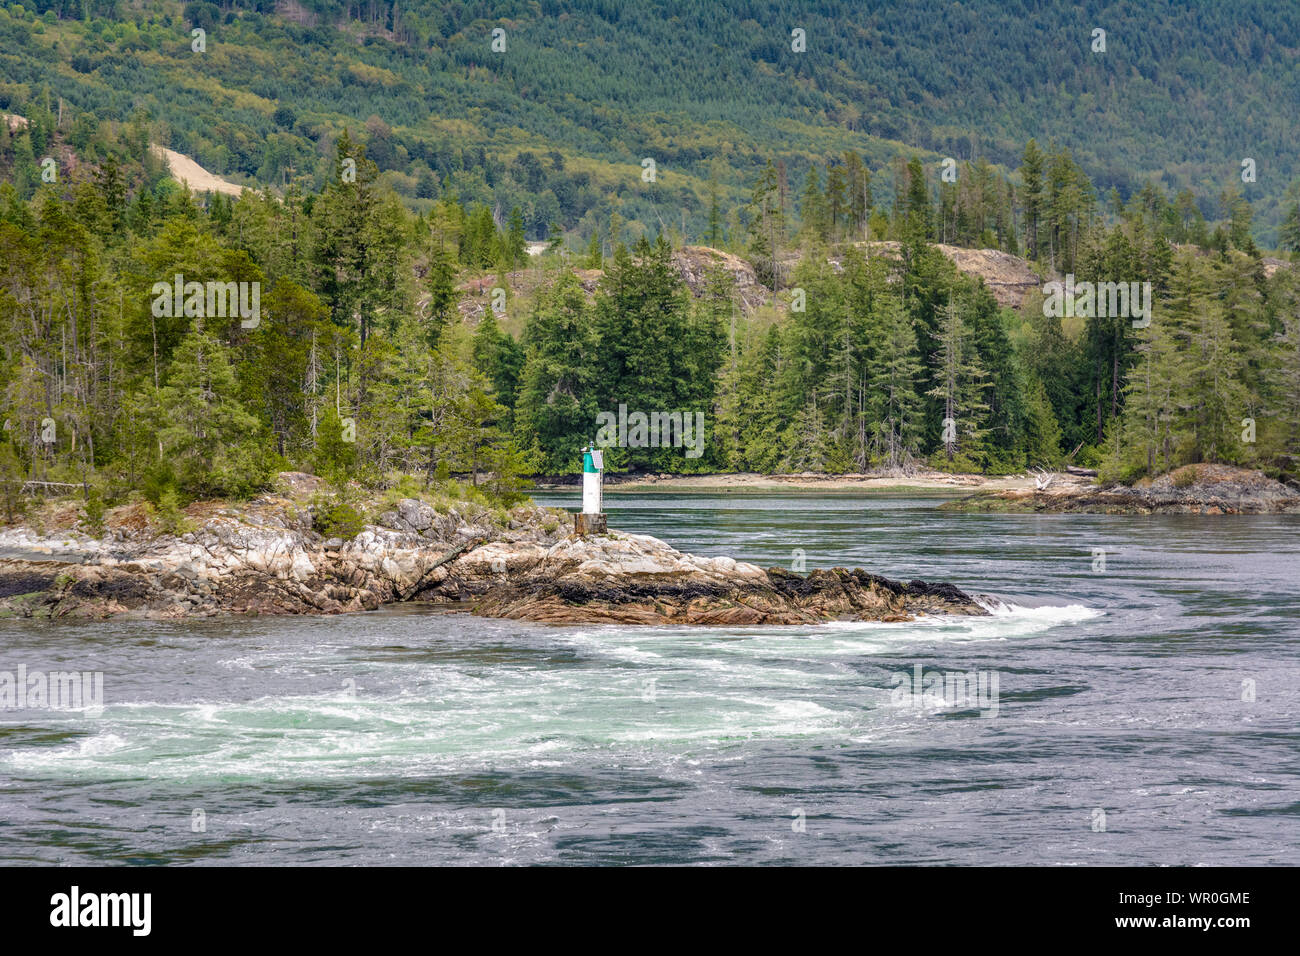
(556, 113)
(458, 264)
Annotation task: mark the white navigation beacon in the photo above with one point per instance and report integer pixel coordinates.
(593, 464)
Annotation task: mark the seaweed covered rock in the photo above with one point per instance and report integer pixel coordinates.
(637, 579)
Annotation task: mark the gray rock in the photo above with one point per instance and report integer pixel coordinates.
(249, 561)
(416, 515)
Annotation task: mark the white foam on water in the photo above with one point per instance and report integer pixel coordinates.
(1014, 620)
(1052, 613)
(1003, 621)
(86, 749)
(101, 745)
(928, 703)
(712, 689)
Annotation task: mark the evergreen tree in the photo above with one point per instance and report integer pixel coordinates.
(762, 426)
(1281, 395)
(1144, 440)
(836, 199)
(767, 225)
(645, 360)
(354, 251)
(812, 208)
(960, 386)
(1290, 233)
(556, 411)
(714, 235)
(858, 185)
(894, 407)
(208, 440)
(1042, 431)
(807, 439)
(500, 359)
(515, 250)
(1186, 395)
(440, 285)
(917, 224)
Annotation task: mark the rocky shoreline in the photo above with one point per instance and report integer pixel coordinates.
(1192, 489)
(917, 481)
(263, 557)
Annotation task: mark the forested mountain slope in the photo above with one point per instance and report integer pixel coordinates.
(1182, 93)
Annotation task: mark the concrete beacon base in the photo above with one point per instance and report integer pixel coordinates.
(589, 524)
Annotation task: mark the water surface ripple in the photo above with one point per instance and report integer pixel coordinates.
(413, 735)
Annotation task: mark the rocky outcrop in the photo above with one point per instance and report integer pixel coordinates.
(1192, 489)
(266, 559)
(262, 559)
(1009, 278)
(637, 579)
(695, 264)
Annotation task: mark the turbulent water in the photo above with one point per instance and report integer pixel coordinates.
(1146, 711)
